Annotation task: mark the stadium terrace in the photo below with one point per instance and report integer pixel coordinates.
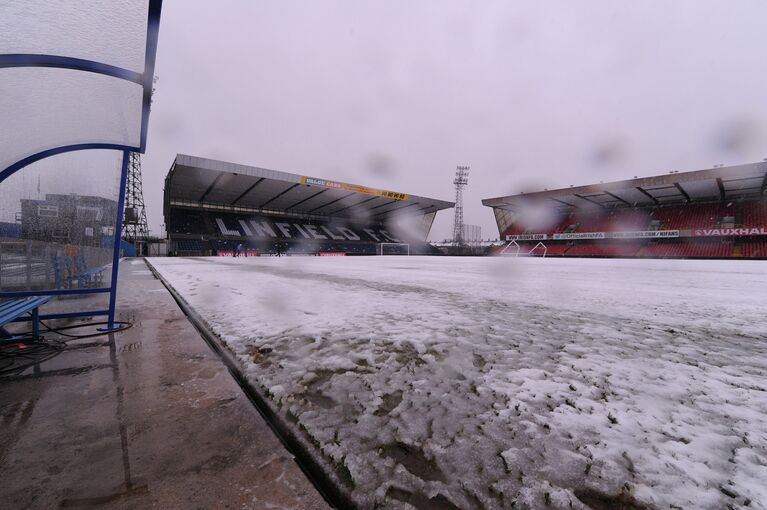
(212, 206)
(713, 213)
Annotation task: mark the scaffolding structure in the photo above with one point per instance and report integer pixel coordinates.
(135, 229)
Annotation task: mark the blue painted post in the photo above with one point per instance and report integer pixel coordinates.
(118, 239)
(36, 323)
(150, 55)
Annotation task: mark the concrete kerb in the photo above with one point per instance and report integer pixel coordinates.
(319, 472)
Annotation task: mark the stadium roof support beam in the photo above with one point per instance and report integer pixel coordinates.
(278, 195)
(332, 202)
(560, 201)
(306, 199)
(210, 188)
(353, 205)
(587, 199)
(390, 202)
(420, 211)
(395, 209)
(682, 191)
(722, 191)
(250, 188)
(645, 193)
(619, 199)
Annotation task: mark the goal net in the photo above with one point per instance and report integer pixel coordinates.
(393, 249)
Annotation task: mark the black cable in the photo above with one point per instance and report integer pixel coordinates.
(29, 350)
(17, 357)
(126, 325)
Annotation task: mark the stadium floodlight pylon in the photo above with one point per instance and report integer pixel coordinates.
(135, 229)
(460, 181)
(382, 245)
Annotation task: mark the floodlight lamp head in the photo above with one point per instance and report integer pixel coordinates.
(461, 175)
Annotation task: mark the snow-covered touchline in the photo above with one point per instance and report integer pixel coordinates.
(442, 382)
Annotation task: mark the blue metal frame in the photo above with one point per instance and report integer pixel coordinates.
(67, 315)
(118, 239)
(78, 64)
(152, 34)
(60, 150)
(146, 80)
(53, 292)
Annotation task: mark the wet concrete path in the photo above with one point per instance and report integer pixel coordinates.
(148, 417)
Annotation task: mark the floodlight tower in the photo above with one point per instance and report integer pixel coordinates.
(460, 181)
(135, 228)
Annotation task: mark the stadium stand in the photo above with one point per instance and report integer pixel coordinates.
(705, 249)
(754, 213)
(692, 215)
(201, 232)
(604, 249)
(558, 249)
(650, 218)
(715, 213)
(616, 220)
(211, 207)
(754, 249)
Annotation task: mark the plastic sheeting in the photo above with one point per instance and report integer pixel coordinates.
(44, 108)
(108, 31)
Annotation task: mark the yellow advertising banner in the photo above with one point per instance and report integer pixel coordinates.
(313, 181)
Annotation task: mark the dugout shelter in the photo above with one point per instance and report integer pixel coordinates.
(76, 84)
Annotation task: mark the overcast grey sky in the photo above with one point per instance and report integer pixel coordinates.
(395, 94)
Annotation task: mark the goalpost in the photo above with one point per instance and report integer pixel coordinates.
(520, 253)
(381, 247)
(545, 250)
(505, 248)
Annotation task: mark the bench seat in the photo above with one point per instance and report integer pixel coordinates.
(11, 310)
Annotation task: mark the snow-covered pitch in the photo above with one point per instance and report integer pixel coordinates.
(440, 382)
